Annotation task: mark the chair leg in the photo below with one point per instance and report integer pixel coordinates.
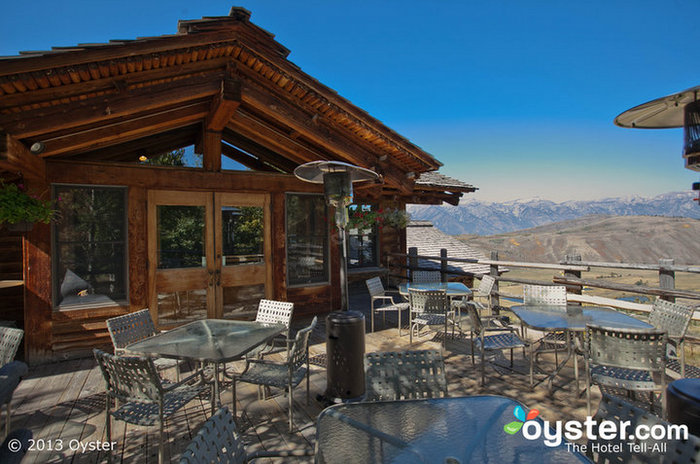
(108, 427)
(161, 445)
(399, 311)
(471, 341)
(588, 390)
(482, 365)
(291, 409)
(233, 394)
(372, 318)
(681, 348)
(532, 367)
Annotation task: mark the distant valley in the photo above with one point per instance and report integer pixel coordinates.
(484, 218)
(632, 239)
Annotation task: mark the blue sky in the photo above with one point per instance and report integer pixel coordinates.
(515, 97)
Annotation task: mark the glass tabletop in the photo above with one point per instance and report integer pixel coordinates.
(575, 318)
(452, 288)
(209, 340)
(440, 430)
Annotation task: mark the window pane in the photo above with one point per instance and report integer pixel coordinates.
(362, 237)
(242, 235)
(180, 236)
(307, 239)
(90, 246)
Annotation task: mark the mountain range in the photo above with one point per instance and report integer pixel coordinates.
(489, 218)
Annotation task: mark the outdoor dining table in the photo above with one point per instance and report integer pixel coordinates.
(211, 341)
(436, 430)
(453, 289)
(572, 320)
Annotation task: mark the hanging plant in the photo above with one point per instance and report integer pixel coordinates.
(367, 219)
(16, 206)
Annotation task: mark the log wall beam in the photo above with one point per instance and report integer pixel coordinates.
(14, 156)
(245, 159)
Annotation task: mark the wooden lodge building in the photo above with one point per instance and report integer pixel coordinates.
(87, 126)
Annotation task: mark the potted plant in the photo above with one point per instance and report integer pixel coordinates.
(19, 210)
(363, 219)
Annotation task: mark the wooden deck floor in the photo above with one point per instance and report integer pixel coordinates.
(63, 404)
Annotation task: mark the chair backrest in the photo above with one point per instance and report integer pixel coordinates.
(130, 328)
(130, 378)
(10, 339)
(475, 319)
(486, 285)
(375, 286)
(428, 301)
(617, 411)
(275, 312)
(425, 277)
(640, 349)
(299, 352)
(404, 375)
(217, 441)
(554, 295)
(671, 317)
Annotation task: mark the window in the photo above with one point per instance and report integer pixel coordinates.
(90, 246)
(307, 240)
(362, 237)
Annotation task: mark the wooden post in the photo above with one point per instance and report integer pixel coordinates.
(575, 289)
(443, 264)
(667, 277)
(412, 261)
(495, 299)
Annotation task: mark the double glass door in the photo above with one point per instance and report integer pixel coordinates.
(208, 255)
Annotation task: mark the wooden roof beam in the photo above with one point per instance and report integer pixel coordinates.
(245, 159)
(35, 123)
(225, 103)
(263, 154)
(104, 136)
(301, 122)
(14, 156)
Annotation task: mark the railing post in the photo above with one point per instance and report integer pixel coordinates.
(575, 289)
(412, 261)
(443, 264)
(495, 299)
(667, 277)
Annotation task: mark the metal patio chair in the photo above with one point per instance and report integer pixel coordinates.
(134, 327)
(274, 312)
(674, 319)
(428, 307)
(503, 338)
(633, 360)
(281, 375)
(404, 375)
(10, 339)
(11, 374)
(548, 295)
(143, 398)
(483, 292)
(617, 450)
(425, 277)
(378, 294)
(218, 441)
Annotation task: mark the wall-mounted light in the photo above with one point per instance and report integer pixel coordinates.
(143, 158)
(37, 148)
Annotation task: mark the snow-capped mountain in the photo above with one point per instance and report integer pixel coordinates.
(484, 218)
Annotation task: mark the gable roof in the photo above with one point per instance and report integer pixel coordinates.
(107, 101)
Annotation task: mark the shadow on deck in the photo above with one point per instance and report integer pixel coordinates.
(63, 403)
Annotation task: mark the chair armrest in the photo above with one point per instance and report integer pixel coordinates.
(173, 386)
(383, 297)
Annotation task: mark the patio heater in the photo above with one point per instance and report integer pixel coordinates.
(345, 330)
(681, 109)
(337, 179)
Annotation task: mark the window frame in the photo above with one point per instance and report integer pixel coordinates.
(56, 307)
(328, 258)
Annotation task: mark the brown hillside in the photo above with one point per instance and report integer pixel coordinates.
(631, 239)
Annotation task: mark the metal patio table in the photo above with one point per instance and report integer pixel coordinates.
(572, 320)
(453, 289)
(437, 430)
(212, 341)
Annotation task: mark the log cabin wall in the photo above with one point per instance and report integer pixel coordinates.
(222, 85)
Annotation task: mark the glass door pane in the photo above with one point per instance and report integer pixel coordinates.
(181, 259)
(242, 247)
